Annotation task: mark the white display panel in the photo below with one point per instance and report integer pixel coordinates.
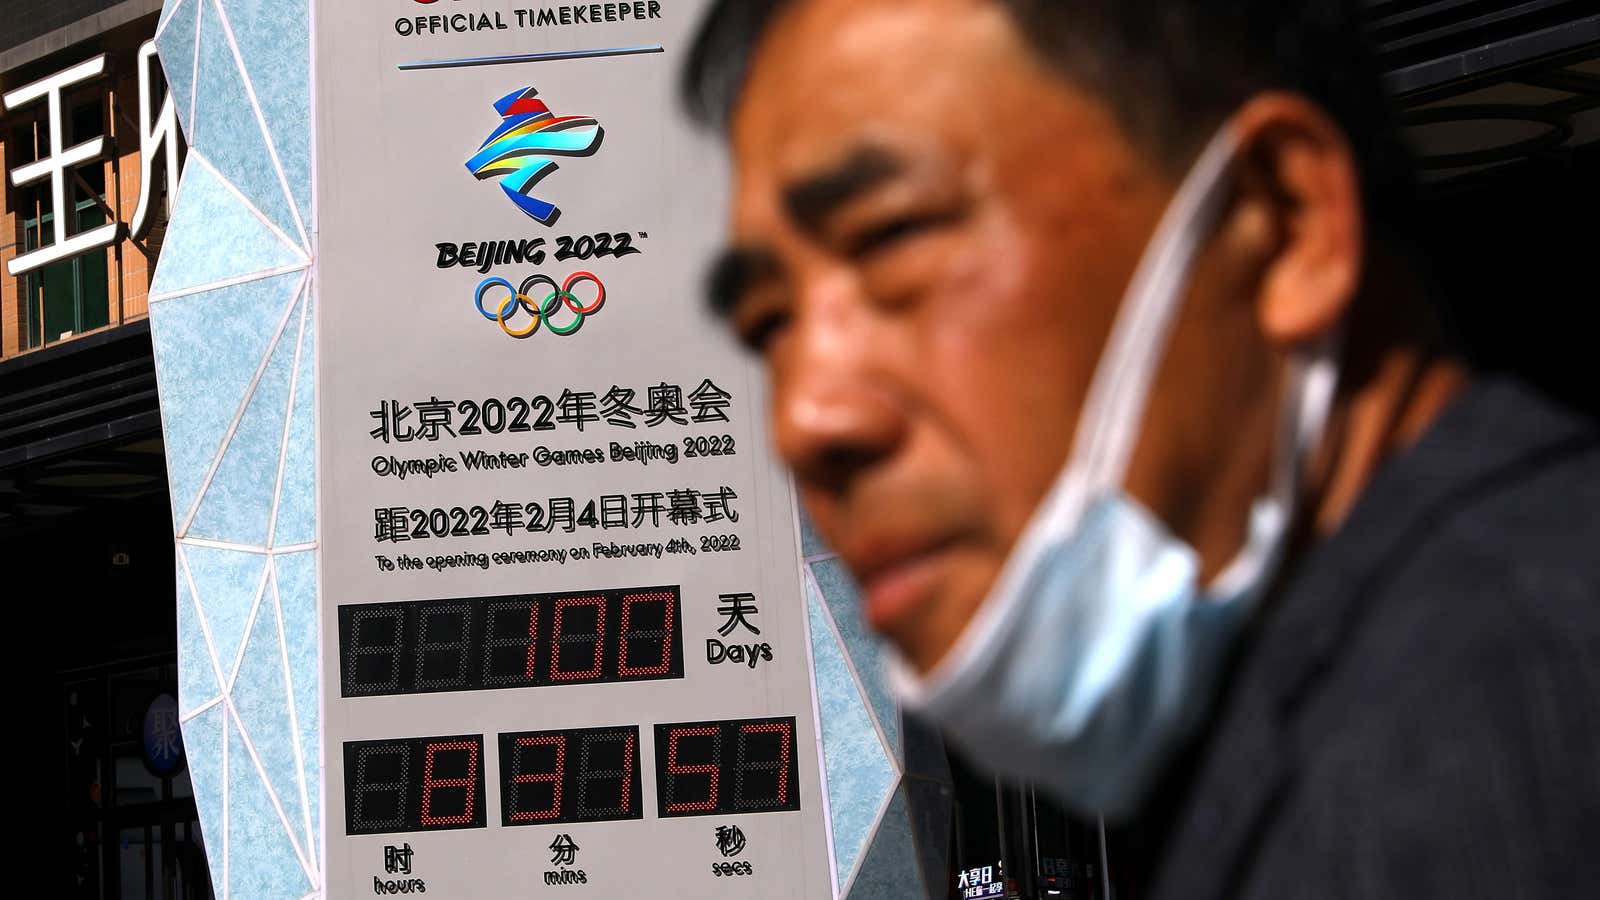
(565, 645)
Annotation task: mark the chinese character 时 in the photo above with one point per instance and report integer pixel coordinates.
(666, 403)
(710, 403)
(391, 416)
(397, 860)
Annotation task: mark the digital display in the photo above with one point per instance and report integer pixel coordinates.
(413, 784)
(727, 767)
(518, 641)
(581, 775)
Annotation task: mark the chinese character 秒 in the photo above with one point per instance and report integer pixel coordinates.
(730, 840)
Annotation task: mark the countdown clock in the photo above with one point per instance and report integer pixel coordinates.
(566, 650)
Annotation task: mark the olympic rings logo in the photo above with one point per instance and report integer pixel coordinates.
(542, 312)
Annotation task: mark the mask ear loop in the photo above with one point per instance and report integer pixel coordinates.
(1308, 392)
(1108, 428)
(1113, 409)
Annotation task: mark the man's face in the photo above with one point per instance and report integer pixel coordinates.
(933, 234)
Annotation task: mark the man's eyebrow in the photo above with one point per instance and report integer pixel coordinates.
(813, 198)
(732, 274)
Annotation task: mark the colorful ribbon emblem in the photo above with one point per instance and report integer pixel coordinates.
(519, 150)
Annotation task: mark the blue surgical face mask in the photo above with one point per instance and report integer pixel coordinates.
(1098, 649)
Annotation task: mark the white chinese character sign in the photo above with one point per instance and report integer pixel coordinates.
(158, 139)
(483, 558)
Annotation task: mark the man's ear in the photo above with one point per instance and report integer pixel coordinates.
(1296, 169)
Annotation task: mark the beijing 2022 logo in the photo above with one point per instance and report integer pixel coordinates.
(519, 152)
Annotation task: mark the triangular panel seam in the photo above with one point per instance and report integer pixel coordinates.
(261, 122)
(266, 784)
(288, 420)
(238, 415)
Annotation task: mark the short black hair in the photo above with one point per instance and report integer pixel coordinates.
(1173, 70)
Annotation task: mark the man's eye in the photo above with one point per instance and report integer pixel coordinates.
(757, 323)
(891, 233)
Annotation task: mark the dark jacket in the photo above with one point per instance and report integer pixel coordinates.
(1419, 714)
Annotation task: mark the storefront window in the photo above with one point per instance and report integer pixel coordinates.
(134, 828)
(72, 296)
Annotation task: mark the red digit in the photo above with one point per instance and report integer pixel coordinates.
(785, 733)
(664, 665)
(558, 641)
(708, 769)
(552, 778)
(431, 784)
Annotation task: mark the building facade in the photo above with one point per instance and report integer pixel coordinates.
(87, 173)
(1502, 105)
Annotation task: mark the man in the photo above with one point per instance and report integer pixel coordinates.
(1053, 297)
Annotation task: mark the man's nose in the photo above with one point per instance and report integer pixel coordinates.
(836, 407)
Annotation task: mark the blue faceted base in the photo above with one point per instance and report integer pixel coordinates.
(232, 319)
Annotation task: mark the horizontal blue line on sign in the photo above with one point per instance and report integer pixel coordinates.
(529, 57)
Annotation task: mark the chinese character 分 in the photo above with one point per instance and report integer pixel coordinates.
(564, 852)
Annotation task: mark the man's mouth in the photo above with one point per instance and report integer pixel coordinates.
(897, 579)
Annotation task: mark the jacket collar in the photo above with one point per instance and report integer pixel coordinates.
(1494, 430)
